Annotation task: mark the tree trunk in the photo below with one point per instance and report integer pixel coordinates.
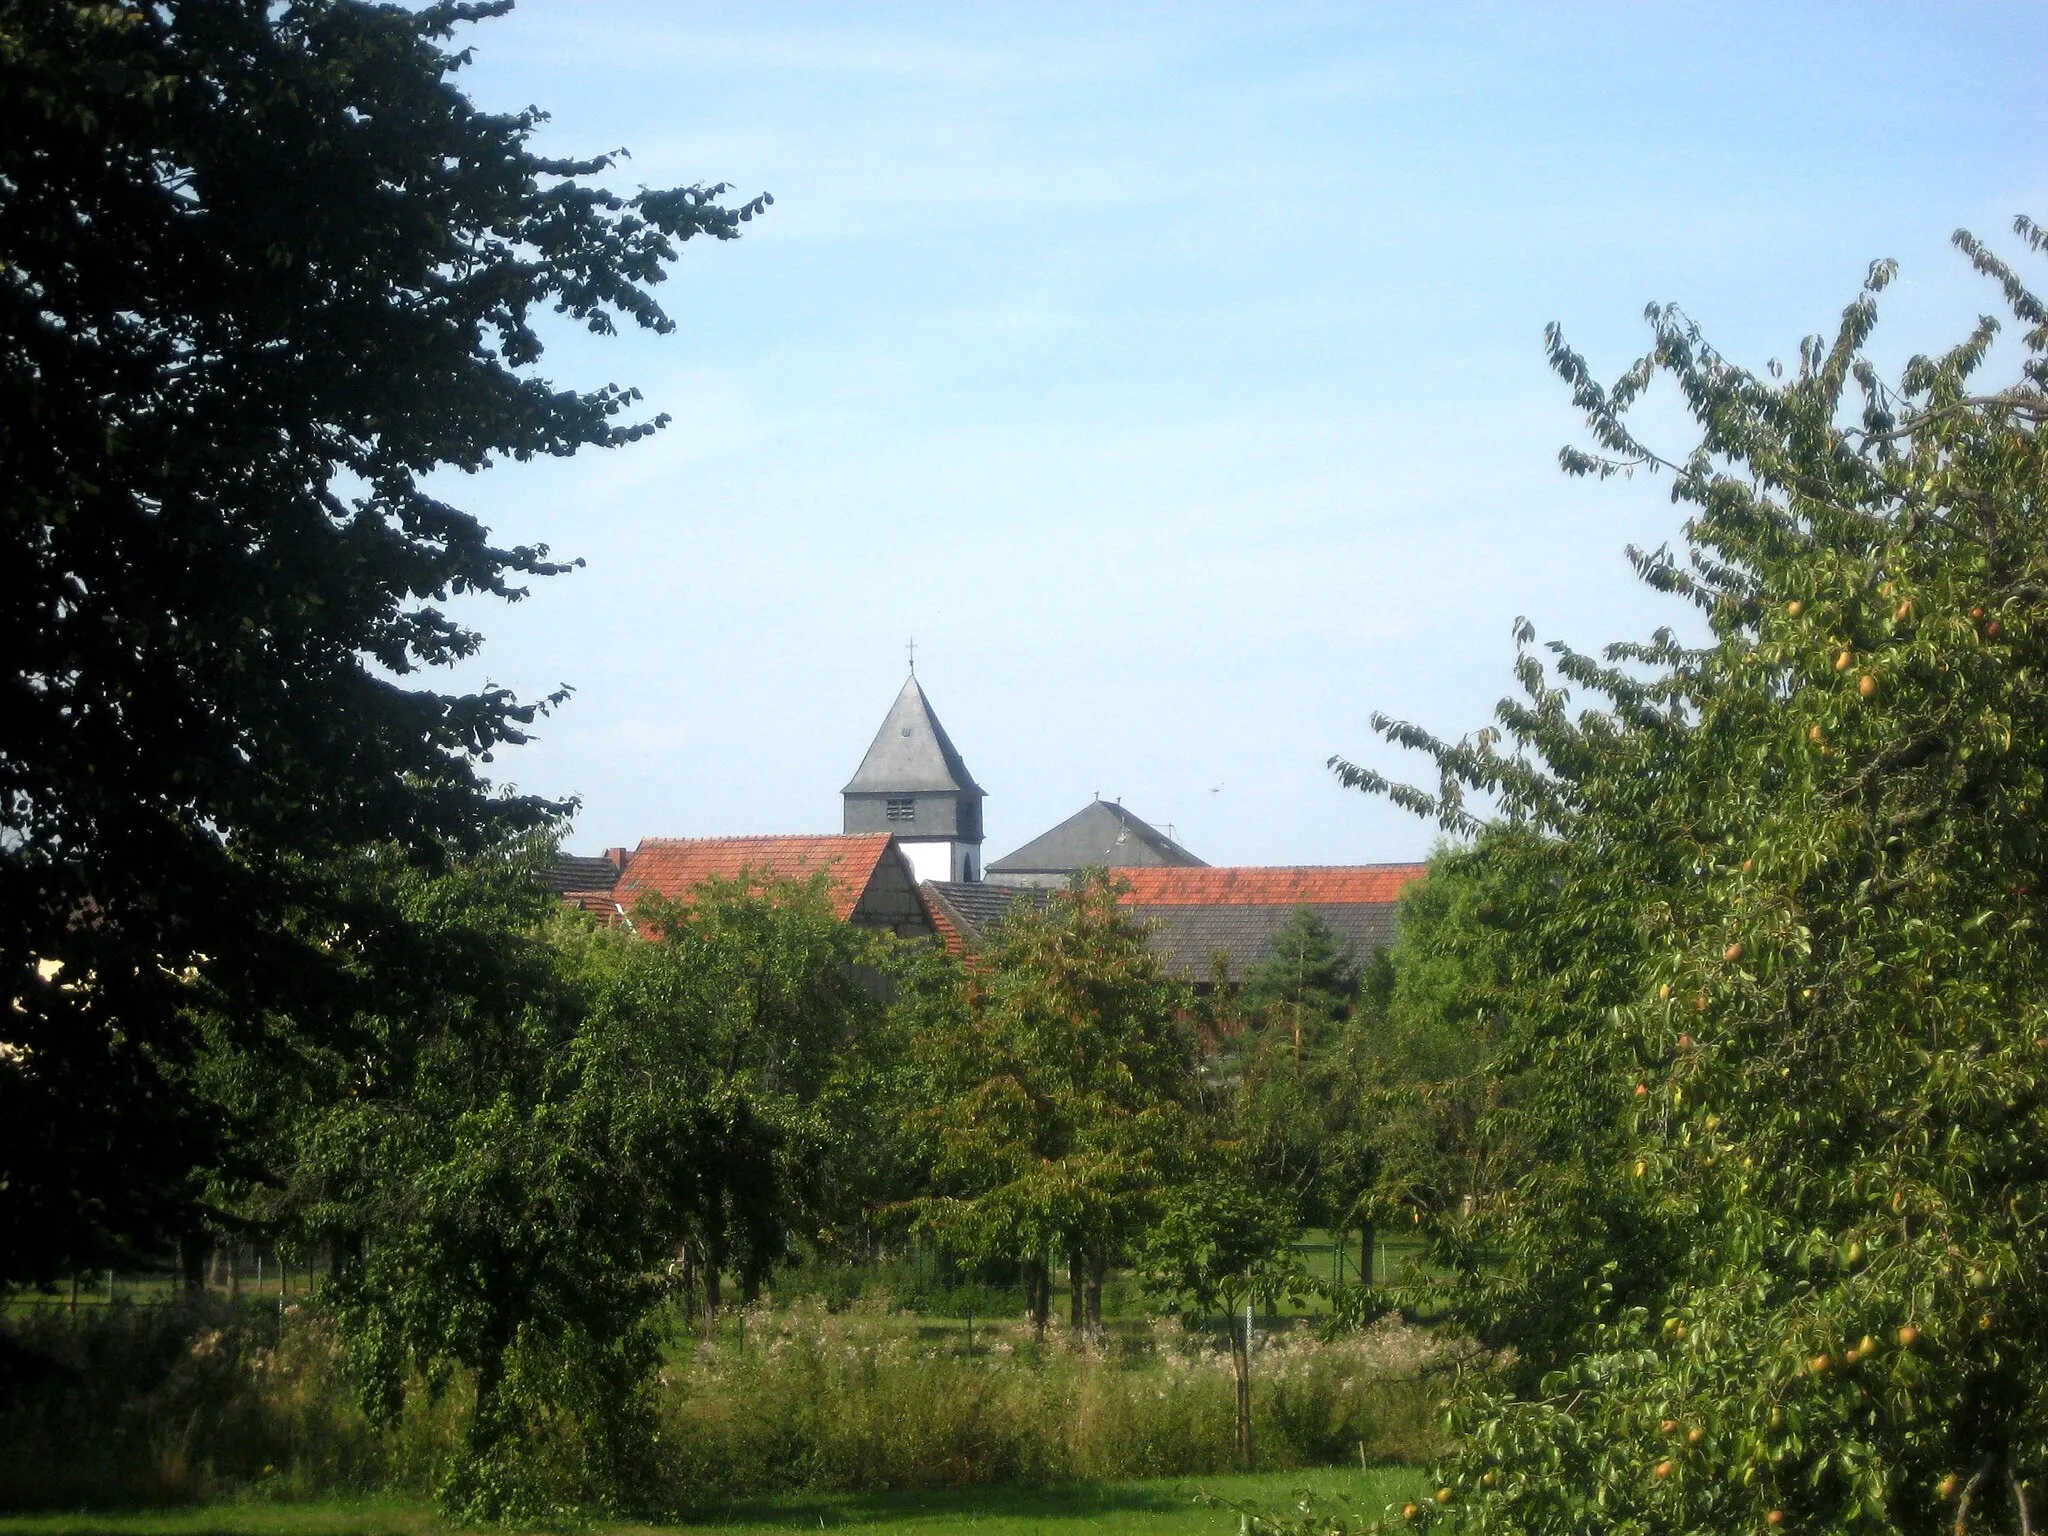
(1241, 1368)
(710, 1291)
(234, 1252)
(192, 1256)
(1098, 1265)
(1077, 1317)
(1037, 1298)
(344, 1253)
(1365, 1243)
(481, 1498)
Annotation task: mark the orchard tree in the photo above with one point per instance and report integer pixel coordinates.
(510, 1165)
(1303, 1017)
(264, 268)
(1061, 1091)
(1222, 1242)
(754, 1003)
(1425, 1132)
(1778, 1006)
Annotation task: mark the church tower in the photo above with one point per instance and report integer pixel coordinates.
(912, 783)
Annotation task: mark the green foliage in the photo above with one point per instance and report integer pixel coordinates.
(1309, 974)
(1060, 1083)
(756, 1008)
(263, 270)
(1283, 1056)
(209, 1400)
(1423, 1133)
(510, 1165)
(1773, 1006)
(1360, 1091)
(495, 1204)
(1221, 1243)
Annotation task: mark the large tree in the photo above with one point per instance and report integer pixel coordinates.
(263, 269)
(1774, 1007)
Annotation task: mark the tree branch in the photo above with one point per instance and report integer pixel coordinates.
(2026, 403)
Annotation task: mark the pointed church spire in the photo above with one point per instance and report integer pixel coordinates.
(912, 754)
(913, 785)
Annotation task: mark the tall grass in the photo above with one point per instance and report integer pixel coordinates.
(192, 1400)
(803, 1398)
(208, 1398)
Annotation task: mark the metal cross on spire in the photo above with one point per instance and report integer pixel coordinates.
(911, 646)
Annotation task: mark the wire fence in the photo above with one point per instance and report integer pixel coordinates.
(245, 1274)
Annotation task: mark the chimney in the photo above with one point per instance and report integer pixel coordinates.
(616, 857)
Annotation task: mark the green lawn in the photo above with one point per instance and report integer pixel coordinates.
(1167, 1507)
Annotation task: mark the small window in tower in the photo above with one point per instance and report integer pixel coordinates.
(902, 810)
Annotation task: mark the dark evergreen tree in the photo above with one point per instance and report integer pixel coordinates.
(1310, 977)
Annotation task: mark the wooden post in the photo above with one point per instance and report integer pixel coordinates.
(1241, 1369)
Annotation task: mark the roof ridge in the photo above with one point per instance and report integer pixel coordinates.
(772, 837)
(1224, 869)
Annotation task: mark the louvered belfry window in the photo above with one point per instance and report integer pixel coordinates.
(904, 809)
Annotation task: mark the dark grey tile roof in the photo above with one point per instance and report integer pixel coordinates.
(911, 753)
(1102, 833)
(979, 908)
(571, 873)
(1189, 936)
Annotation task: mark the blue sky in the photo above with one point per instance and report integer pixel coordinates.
(1174, 374)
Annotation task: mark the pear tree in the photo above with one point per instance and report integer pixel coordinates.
(1774, 1256)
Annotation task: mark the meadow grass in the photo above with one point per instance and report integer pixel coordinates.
(1151, 1507)
(203, 1403)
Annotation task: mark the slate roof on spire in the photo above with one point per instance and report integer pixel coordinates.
(1100, 833)
(911, 753)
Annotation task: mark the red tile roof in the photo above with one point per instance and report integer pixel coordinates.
(943, 923)
(1255, 886)
(597, 903)
(675, 866)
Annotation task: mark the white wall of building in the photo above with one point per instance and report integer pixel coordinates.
(930, 861)
(935, 860)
